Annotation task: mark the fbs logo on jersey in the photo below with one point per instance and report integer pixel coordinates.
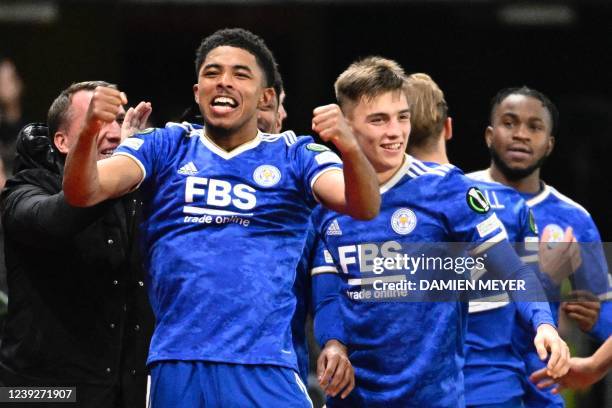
(267, 175)
(477, 201)
(334, 229)
(403, 221)
(188, 170)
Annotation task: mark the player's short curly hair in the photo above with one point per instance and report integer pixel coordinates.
(240, 38)
(59, 112)
(428, 109)
(368, 77)
(526, 91)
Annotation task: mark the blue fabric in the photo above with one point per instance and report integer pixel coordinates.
(554, 210)
(406, 353)
(211, 385)
(222, 236)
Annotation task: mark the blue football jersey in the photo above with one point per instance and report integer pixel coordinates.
(303, 294)
(555, 211)
(494, 372)
(222, 235)
(405, 353)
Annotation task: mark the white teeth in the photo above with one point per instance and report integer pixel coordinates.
(224, 100)
(392, 146)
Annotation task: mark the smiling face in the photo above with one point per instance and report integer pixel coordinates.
(381, 126)
(229, 90)
(519, 138)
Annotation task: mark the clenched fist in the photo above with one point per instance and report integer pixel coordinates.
(329, 122)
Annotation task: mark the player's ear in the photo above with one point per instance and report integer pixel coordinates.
(489, 136)
(195, 93)
(267, 97)
(448, 129)
(61, 142)
(551, 145)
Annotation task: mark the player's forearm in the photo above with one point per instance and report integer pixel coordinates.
(361, 185)
(326, 304)
(532, 305)
(602, 358)
(81, 183)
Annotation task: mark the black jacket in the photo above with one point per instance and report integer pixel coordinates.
(78, 311)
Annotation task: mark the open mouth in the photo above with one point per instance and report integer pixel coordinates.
(392, 147)
(106, 153)
(223, 104)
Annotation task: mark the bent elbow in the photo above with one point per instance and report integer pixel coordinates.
(367, 213)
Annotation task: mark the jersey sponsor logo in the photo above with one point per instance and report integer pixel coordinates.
(132, 143)
(267, 175)
(489, 225)
(365, 254)
(477, 201)
(315, 147)
(188, 170)
(533, 227)
(327, 257)
(218, 193)
(334, 229)
(403, 221)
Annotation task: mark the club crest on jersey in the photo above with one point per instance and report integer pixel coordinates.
(267, 175)
(556, 233)
(477, 201)
(403, 221)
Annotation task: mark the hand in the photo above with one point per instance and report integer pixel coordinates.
(135, 119)
(104, 107)
(559, 259)
(329, 122)
(584, 308)
(582, 373)
(547, 339)
(334, 370)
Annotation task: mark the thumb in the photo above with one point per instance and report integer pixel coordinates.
(540, 347)
(321, 366)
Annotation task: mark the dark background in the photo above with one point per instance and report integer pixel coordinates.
(468, 47)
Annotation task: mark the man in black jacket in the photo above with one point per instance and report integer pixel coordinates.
(78, 311)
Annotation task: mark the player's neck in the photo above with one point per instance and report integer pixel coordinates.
(387, 175)
(229, 139)
(530, 184)
(435, 153)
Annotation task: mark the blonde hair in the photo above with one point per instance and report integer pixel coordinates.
(429, 110)
(368, 78)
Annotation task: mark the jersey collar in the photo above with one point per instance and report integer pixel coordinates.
(213, 147)
(401, 172)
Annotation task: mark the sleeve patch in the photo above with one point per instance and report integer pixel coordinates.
(315, 147)
(133, 143)
(327, 157)
(477, 201)
(489, 225)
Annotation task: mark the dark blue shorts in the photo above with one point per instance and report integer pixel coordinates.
(203, 384)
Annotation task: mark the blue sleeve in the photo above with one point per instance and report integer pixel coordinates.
(603, 327)
(326, 296)
(593, 276)
(502, 260)
(144, 148)
(311, 161)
